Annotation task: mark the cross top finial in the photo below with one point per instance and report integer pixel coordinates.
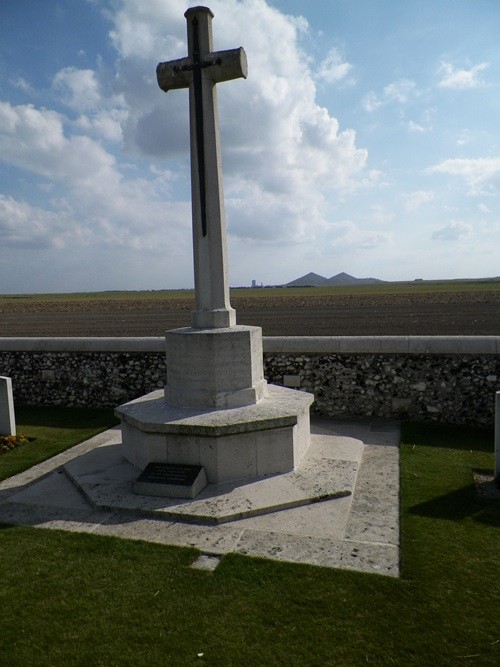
(199, 8)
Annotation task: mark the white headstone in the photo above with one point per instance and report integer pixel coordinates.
(497, 438)
(200, 71)
(7, 416)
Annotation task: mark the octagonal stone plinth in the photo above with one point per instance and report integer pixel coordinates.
(232, 444)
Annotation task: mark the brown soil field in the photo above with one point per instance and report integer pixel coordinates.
(453, 313)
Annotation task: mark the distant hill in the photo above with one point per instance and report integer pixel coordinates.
(315, 280)
(309, 280)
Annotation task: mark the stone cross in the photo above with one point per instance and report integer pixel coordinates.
(200, 71)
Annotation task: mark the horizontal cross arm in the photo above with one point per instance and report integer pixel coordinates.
(174, 74)
(229, 65)
(218, 66)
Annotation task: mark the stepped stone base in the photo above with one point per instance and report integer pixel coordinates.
(267, 438)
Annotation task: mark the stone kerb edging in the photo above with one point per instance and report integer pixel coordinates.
(429, 345)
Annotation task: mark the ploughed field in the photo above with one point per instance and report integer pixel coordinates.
(470, 309)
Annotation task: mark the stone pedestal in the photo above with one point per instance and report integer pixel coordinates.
(217, 411)
(214, 368)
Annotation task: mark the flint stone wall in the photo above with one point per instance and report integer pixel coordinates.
(448, 379)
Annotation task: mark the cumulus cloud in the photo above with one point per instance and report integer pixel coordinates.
(113, 210)
(348, 234)
(283, 152)
(371, 102)
(480, 174)
(79, 88)
(380, 214)
(401, 91)
(21, 83)
(101, 114)
(34, 139)
(455, 231)
(415, 127)
(416, 200)
(461, 79)
(26, 226)
(333, 68)
(277, 141)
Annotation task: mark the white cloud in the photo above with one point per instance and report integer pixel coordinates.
(415, 127)
(461, 79)
(277, 141)
(380, 214)
(347, 234)
(105, 123)
(23, 85)
(483, 208)
(113, 210)
(26, 226)
(401, 91)
(465, 137)
(455, 231)
(333, 68)
(79, 88)
(371, 102)
(101, 115)
(33, 139)
(480, 174)
(417, 199)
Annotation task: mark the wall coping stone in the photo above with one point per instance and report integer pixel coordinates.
(473, 345)
(83, 344)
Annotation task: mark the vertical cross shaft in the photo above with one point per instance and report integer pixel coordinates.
(201, 70)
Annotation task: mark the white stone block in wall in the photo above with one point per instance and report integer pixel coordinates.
(7, 417)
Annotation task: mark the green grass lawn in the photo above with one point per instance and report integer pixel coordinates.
(51, 430)
(75, 599)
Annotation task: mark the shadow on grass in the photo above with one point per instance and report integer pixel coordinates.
(62, 417)
(448, 436)
(458, 505)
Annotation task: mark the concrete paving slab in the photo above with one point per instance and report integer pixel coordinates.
(374, 515)
(326, 519)
(107, 480)
(361, 556)
(54, 490)
(358, 531)
(206, 562)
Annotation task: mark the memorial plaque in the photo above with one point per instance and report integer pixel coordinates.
(172, 480)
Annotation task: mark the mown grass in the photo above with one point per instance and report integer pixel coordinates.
(71, 599)
(51, 430)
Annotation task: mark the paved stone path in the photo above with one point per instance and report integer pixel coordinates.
(358, 461)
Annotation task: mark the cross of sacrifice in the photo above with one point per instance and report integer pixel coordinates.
(200, 71)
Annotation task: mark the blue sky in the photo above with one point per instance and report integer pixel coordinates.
(364, 140)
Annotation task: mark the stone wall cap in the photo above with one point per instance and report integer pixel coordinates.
(382, 345)
(468, 345)
(80, 344)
